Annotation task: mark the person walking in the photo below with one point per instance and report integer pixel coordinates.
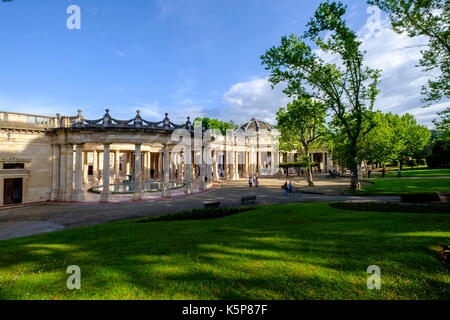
(256, 182)
(290, 187)
(285, 188)
(250, 181)
(399, 173)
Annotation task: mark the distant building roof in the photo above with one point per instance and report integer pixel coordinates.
(255, 124)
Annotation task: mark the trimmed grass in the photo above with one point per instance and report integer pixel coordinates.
(420, 173)
(291, 251)
(401, 186)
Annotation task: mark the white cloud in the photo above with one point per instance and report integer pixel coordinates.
(401, 81)
(400, 85)
(119, 53)
(254, 98)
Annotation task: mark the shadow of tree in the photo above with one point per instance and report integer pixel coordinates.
(292, 251)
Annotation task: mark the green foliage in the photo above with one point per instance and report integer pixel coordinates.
(223, 126)
(297, 164)
(440, 156)
(345, 86)
(390, 207)
(422, 197)
(302, 128)
(302, 125)
(444, 128)
(198, 214)
(395, 137)
(428, 18)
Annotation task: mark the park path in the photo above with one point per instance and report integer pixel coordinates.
(48, 217)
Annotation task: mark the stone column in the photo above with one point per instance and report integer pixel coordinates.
(85, 167)
(78, 194)
(215, 167)
(166, 184)
(69, 173)
(95, 166)
(62, 173)
(188, 170)
(149, 169)
(160, 162)
(116, 166)
(105, 194)
(137, 172)
(56, 152)
(234, 169)
(128, 163)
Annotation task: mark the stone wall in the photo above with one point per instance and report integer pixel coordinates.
(33, 149)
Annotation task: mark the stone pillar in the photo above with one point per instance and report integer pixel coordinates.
(160, 162)
(78, 194)
(116, 166)
(215, 167)
(188, 170)
(105, 194)
(95, 166)
(56, 153)
(137, 172)
(62, 173)
(149, 169)
(85, 167)
(234, 169)
(166, 184)
(128, 163)
(69, 173)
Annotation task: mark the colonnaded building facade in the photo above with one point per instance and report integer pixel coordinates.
(105, 160)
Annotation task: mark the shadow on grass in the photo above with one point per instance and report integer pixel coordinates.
(297, 251)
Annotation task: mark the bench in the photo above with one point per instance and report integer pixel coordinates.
(248, 199)
(212, 204)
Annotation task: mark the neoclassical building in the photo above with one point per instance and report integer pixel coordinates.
(66, 158)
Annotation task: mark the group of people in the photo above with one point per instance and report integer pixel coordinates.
(255, 180)
(287, 188)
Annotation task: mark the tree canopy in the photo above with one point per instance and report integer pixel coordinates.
(335, 75)
(302, 127)
(223, 126)
(428, 18)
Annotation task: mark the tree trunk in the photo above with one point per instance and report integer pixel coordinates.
(354, 181)
(309, 177)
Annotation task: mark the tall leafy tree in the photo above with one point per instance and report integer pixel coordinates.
(335, 75)
(223, 126)
(444, 128)
(428, 18)
(302, 125)
(379, 146)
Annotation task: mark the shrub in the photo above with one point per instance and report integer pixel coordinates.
(440, 157)
(420, 197)
(412, 163)
(198, 214)
(391, 207)
(421, 162)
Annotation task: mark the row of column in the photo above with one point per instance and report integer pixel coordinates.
(66, 183)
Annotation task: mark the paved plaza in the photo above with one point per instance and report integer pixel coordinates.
(48, 217)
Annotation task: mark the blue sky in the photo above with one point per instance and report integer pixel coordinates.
(185, 57)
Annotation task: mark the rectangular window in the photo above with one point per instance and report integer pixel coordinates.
(13, 166)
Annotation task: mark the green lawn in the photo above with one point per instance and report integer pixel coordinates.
(292, 251)
(395, 186)
(420, 173)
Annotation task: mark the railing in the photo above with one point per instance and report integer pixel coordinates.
(36, 120)
(80, 122)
